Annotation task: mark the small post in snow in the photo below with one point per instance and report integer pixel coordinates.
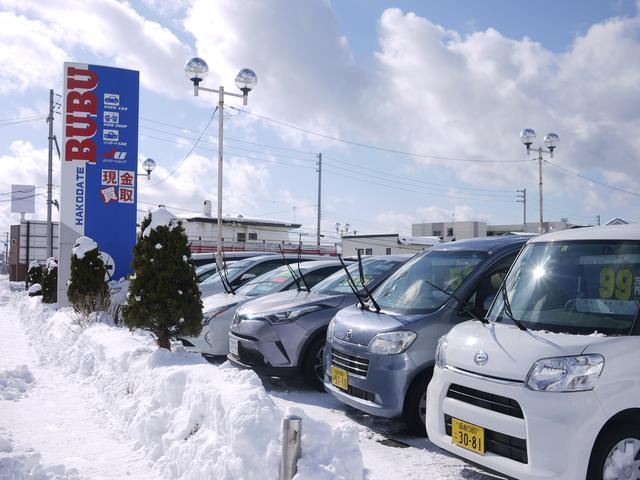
(291, 446)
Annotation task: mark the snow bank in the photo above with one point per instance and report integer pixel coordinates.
(193, 420)
(35, 289)
(19, 464)
(15, 383)
(83, 246)
(161, 217)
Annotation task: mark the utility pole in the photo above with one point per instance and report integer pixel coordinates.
(522, 198)
(319, 170)
(598, 220)
(540, 160)
(50, 179)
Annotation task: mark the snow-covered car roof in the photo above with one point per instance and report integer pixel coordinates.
(611, 232)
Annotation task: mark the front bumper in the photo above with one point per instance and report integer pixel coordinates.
(381, 389)
(267, 349)
(556, 431)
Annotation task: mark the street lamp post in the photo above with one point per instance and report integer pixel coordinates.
(149, 165)
(551, 140)
(196, 70)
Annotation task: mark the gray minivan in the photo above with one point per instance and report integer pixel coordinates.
(380, 359)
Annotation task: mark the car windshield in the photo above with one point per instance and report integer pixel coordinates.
(577, 287)
(271, 282)
(410, 290)
(232, 270)
(372, 270)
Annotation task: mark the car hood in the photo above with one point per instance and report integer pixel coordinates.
(283, 301)
(355, 325)
(214, 302)
(511, 352)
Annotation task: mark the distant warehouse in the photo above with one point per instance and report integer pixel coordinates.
(385, 244)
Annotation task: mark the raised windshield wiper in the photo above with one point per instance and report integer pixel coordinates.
(306, 285)
(293, 275)
(507, 307)
(224, 284)
(460, 302)
(364, 285)
(352, 284)
(226, 276)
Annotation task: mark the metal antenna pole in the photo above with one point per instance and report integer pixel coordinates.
(220, 134)
(50, 178)
(319, 196)
(540, 186)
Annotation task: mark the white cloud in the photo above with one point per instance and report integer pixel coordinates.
(67, 30)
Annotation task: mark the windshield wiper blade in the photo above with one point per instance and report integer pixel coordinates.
(507, 308)
(306, 285)
(224, 284)
(293, 275)
(462, 306)
(364, 285)
(352, 284)
(226, 276)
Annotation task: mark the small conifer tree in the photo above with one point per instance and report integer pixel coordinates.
(88, 290)
(34, 274)
(50, 281)
(164, 298)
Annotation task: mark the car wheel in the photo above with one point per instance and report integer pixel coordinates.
(616, 454)
(414, 413)
(312, 368)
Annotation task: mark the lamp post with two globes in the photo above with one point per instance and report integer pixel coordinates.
(551, 140)
(196, 70)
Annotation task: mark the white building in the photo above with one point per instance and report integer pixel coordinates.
(449, 231)
(385, 244)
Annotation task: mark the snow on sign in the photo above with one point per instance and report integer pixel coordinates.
(99, 164)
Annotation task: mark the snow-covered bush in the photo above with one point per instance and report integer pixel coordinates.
(164, 298)
(35, 290)
(88, 291)
(50, 281)
(34, 275)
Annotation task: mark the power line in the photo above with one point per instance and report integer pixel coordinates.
(597, 182)
(373, 147)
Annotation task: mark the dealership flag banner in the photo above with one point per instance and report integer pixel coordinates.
(98, 193)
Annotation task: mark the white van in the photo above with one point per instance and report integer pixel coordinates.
(548, 385)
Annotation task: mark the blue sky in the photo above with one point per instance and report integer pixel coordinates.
(451, 82)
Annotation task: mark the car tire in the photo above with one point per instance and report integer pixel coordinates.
(312, 369)
(608, 442)
(415, 405)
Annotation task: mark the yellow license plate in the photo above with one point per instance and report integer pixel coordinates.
(339, 378)
(467, 435)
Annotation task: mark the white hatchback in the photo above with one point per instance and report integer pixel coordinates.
(548, 386)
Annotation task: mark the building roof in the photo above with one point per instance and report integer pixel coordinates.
(240, 219)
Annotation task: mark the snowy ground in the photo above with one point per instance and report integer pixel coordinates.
(104, 403)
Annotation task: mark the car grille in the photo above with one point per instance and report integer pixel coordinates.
(496, 403)
(351, 363)
(360, 393)
(504, 445)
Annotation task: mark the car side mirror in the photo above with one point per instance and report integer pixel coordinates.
(488, 300)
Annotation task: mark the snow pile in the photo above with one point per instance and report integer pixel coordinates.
(83, 246)
(161, 218)
(192, 419)
(18, 464)
(15, 383)
(35, 289)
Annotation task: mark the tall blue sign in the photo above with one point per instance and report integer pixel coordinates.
(99, 165)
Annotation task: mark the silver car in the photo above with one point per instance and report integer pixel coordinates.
(284, 333)
(220, 308)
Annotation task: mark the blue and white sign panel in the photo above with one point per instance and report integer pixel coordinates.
(99, 165)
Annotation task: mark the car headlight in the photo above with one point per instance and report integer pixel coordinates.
(565, 374)
(441, 352)
(330, 329)
(290, 315)
(391, 343)
(211, 314)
